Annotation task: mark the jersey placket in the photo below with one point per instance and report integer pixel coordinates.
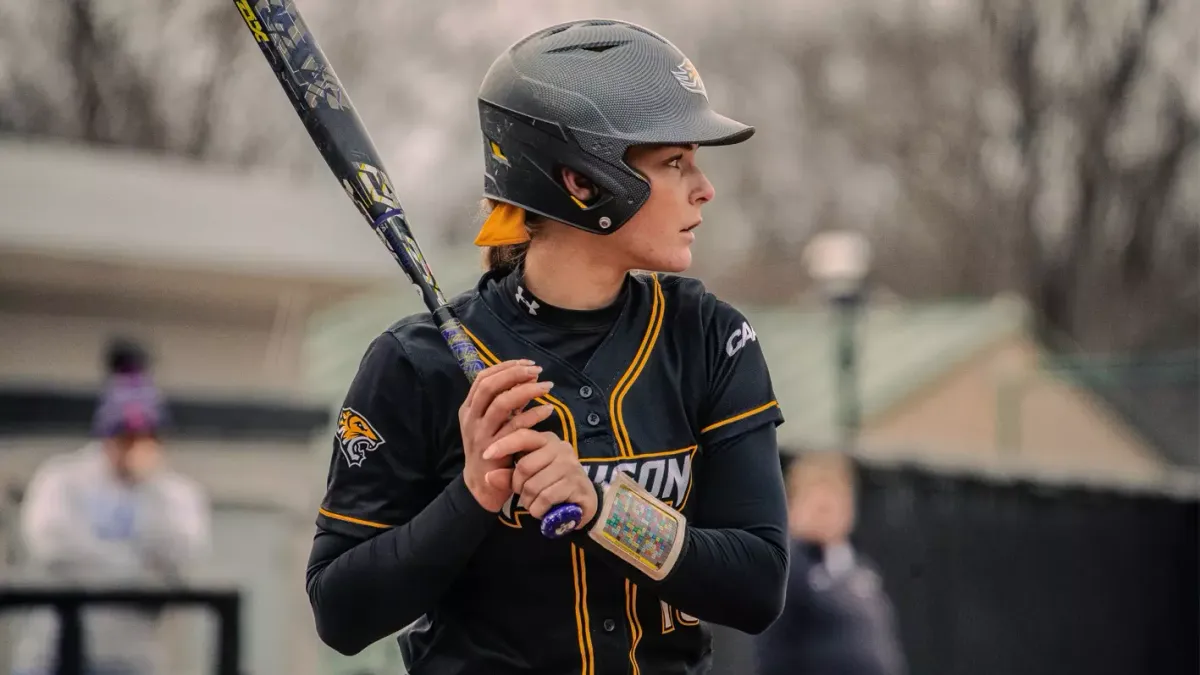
(633, 628)
(609, 627)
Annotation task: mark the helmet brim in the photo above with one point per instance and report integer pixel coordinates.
(727, 131)
(707, 128)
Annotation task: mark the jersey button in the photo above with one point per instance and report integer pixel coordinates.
(609, 625)
(585, 391)
(593, 419)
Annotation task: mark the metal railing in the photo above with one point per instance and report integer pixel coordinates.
(69, 603)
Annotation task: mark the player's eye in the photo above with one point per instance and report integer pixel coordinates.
(676, 162)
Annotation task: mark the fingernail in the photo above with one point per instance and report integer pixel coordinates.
(546, 386)
(526, 362)
(487, 454)
(533, 370)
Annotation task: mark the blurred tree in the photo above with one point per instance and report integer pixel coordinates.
(1111, 260)
(77, 69)
(1047, 148)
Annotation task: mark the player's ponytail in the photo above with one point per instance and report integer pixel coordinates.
(508, 257)
(505, 259)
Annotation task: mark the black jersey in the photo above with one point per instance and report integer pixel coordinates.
(668, 384)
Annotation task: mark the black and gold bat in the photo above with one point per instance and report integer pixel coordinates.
(321, 102)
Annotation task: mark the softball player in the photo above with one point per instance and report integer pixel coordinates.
(639, 396)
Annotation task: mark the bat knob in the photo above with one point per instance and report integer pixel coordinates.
(561, 521)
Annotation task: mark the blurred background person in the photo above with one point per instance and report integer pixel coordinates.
(837, 619)
(111, 514)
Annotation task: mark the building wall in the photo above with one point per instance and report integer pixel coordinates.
(1046, 422)
(67, 350)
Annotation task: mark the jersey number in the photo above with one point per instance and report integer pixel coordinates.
(671, 616)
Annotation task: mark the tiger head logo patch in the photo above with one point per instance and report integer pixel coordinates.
(356, 437)
(689, 78)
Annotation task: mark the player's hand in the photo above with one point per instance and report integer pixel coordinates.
(547, 475)
(493, 409)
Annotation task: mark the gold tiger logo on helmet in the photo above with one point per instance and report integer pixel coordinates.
(356, 437)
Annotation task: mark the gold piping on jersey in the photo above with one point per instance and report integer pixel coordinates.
(672, 615)
(658, 294)
(583, 623)
(648, 455)
(683, 502)
(740, 416)
(350, 519)
(564, 413)
(634, 369)
(635, 626)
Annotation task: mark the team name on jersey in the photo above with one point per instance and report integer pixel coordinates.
(666, 475)
(740, 337)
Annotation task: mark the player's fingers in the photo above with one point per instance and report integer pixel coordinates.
(485, 375)
(504, 404)
(499, 377)
(492, 371)
(530, 472)
(499, 479)
(521, 440)
(554, 462)
(487, 390)
(566, 489)
(526, 419)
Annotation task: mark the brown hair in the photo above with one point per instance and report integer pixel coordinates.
(508, 257)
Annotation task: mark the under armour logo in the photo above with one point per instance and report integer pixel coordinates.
(531, 305)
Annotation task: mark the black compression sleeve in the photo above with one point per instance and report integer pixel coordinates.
(733, 568)
(364, 591)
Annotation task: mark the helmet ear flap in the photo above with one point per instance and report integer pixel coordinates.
(528, 170)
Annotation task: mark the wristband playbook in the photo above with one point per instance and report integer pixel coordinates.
(638, 528)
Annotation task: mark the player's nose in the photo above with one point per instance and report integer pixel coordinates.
(703, 192)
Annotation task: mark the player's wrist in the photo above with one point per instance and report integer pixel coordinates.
(591, 509)
(483, 494)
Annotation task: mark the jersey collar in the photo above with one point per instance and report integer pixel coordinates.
(510, 296)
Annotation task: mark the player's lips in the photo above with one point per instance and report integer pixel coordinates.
(693, 226)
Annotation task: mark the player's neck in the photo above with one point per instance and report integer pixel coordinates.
(568, 274)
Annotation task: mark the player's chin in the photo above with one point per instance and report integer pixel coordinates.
(671, 261)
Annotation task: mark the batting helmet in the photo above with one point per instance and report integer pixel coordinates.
(579, 95)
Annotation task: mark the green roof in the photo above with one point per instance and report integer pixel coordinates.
(337, 337)
(902, 347)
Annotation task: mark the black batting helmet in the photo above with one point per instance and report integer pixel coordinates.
(578, 95)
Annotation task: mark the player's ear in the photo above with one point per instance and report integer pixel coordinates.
(580, 186)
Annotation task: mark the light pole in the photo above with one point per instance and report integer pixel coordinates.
(840, 261)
